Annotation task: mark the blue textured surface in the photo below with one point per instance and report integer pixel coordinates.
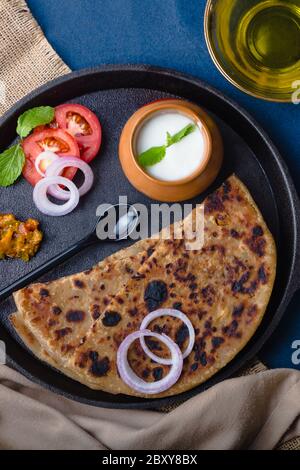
(169, 33)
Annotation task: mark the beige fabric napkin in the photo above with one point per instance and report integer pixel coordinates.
(258, 411)
(251, 412)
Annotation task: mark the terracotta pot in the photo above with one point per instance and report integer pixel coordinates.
(182, 189)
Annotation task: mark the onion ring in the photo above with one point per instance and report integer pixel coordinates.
(135, 382)
(57, 166)
(46, 155)
(172, 313)
(49, 208)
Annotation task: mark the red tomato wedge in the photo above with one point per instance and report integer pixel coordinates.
(82, 124)
(56, 140)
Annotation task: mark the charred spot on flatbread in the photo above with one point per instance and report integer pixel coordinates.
(257, 231)
(156, 293)
(111, 318)
(257, 242)
(262, 275)
(202, 358)
(234, 233)
(177, 305)
(128, 269)
(216, 341)
(96, 311)
(133, 311)
(44, 293)
(238, 310)
(231, 329)
(75, 316)
(208, 294)
(157, 373)
(78, 283)
(99, 367)
(239, 286)
(56, 310)
(214, 203)
(62, 332)
(182, 335)
(252, 311)
(146, 373)
(150, 251)
(88, 271)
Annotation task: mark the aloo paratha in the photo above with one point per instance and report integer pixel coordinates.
(223, 288)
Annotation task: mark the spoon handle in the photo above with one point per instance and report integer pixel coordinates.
(47, 266)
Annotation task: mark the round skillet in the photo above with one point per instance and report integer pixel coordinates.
(114, 93)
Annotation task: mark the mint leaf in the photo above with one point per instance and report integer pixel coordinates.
(155, 154)
(152, 156)
(173, 139)
(11, 164)
(34, 117)
(169, 139)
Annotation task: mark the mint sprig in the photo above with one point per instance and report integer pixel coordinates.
(12, 160)
(154, 155)
(34, 117)
(11, 164)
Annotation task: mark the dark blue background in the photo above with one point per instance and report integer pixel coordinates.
(168, 33)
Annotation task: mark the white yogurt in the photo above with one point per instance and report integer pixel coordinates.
(182, 158)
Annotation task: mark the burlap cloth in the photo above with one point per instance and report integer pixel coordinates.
(259, 409)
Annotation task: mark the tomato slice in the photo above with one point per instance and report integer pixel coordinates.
(56, 140)
(82, 124)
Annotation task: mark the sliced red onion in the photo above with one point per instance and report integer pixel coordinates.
(42, 202)
(171, 313)
(135, 382)
(56, 169)
(46, 155)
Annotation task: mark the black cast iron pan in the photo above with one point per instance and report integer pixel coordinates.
(114, 93)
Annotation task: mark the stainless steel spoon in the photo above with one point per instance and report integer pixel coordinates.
(125, 218)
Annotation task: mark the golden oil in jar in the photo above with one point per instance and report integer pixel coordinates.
(257, 44)
(270, 34)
